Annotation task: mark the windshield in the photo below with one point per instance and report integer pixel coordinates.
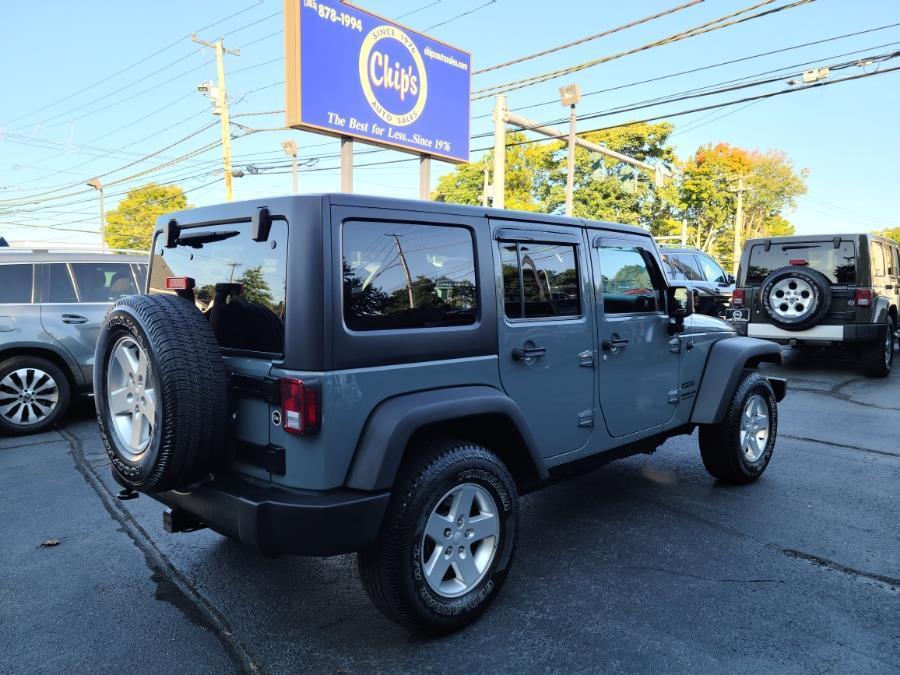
(837, 264)
(239, 284)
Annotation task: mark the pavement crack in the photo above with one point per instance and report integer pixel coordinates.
(818, 561)
(841, 396)
(702, 578)
(171, 585)
(841, 445)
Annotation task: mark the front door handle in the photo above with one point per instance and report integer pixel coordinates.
(74, 318)
(614, 344)
(889, 287)
(528, 353)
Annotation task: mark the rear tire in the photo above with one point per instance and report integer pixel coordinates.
(34, 395)
(738, 449)
(877, 358)
(438, 565)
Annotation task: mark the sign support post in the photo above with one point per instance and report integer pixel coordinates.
(346, 164)
(425, 177)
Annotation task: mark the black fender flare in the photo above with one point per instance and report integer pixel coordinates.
(724, 365)
(392, 423)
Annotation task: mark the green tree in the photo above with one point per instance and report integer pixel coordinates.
(527, 169)
(255, 288)
(891, 233)
(131, 224)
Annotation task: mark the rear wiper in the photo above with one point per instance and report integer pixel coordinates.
(197, 240)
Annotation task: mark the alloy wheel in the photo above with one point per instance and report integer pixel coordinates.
(131, 396)
(460, 540)
(28, 396)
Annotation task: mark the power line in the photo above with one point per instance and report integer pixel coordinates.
(461, 14)
(589, 38)
(717, 65)
(701, 29)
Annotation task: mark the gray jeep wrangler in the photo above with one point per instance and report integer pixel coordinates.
(337, 373)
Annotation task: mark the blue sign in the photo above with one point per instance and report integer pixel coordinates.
(352, 73)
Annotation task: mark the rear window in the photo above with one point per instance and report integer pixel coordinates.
(239, 284)
(406, 275)
(837, 264)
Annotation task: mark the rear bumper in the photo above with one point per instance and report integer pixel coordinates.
(277, 520)
(822, 334)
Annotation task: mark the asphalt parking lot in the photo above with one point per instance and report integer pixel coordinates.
(644, 565)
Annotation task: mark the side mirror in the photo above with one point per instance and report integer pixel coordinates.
(730, 279)
(679, 304)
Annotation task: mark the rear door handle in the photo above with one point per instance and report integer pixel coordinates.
(614, 344)
(528, 353)
(74, 318)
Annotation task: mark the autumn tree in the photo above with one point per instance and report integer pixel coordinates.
(708, 198)
(130, 225)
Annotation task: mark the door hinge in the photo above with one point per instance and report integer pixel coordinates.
(586, 358)
(674, 396)
(586, 418)
(675, 345)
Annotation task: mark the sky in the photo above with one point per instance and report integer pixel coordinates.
(107, 88)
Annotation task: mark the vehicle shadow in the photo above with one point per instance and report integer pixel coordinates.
(314, 611)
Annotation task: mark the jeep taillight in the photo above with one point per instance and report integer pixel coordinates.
(863, 297)
(179, 283)
(737, 298)
(300, 409)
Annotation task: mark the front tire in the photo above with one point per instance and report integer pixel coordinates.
(447, 541)
(738, 449)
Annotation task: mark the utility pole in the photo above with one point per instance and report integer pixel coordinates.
(97, 185)
(220, 98)
(738, 223)
(570, 95)
(409, 286)
(290, 149)
(499, 189)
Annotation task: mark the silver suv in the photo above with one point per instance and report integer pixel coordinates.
(52, 304)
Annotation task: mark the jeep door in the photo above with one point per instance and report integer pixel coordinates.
(546, 332)
(75, 299)
(638, 369)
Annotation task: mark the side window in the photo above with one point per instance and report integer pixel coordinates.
(512, 291)
(896, 270)
(103, 281)
(878, 267)
(404, 275)
(711, 269)
(540, 280)
(16, 283)
(628, 279)
(60, 288)
(672, 270)
(689, 267)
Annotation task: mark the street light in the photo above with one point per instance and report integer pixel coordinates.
(570, 95)
(97, 185)
(290, 149)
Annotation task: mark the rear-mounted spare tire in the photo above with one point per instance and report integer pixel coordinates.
(795, 298)
(159, 388)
